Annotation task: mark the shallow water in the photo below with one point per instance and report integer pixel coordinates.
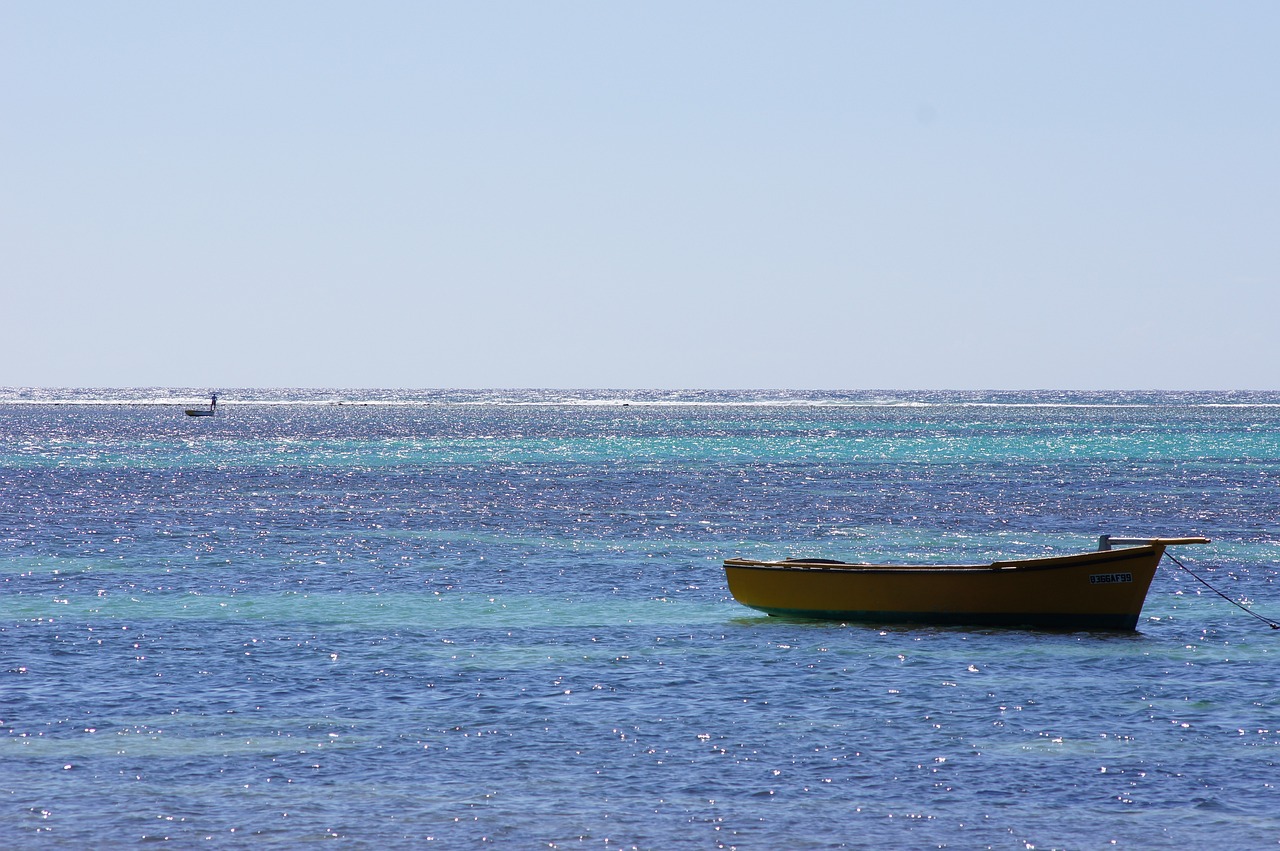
(502, 616)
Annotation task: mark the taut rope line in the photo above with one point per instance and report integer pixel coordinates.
(1268, 621)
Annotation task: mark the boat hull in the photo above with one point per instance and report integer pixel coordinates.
(1098, 590)
(198, 413)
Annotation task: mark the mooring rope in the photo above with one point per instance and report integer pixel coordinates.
(1268, 621)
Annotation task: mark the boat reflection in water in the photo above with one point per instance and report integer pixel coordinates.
(1093, 590)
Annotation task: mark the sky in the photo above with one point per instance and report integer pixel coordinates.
(574, 194)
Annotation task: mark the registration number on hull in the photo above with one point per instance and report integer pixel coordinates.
(1109, 578)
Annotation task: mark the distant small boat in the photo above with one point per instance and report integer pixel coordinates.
(1093, 590)
(203, 412)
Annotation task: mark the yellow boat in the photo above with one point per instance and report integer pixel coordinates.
(1093, 590)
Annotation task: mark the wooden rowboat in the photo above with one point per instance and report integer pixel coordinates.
(202, 412)
(1092, 590)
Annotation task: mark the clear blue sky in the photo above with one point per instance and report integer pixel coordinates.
(622, 194)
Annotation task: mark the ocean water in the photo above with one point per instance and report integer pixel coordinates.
(451, 619)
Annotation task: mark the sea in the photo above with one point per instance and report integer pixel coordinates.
(499, 618)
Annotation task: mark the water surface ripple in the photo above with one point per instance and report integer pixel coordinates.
(405, 617)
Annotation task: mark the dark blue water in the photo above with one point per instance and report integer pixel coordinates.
(399, 618)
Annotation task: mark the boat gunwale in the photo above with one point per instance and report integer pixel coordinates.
(1017, 565)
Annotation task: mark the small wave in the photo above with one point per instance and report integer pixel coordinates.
(606, 398)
